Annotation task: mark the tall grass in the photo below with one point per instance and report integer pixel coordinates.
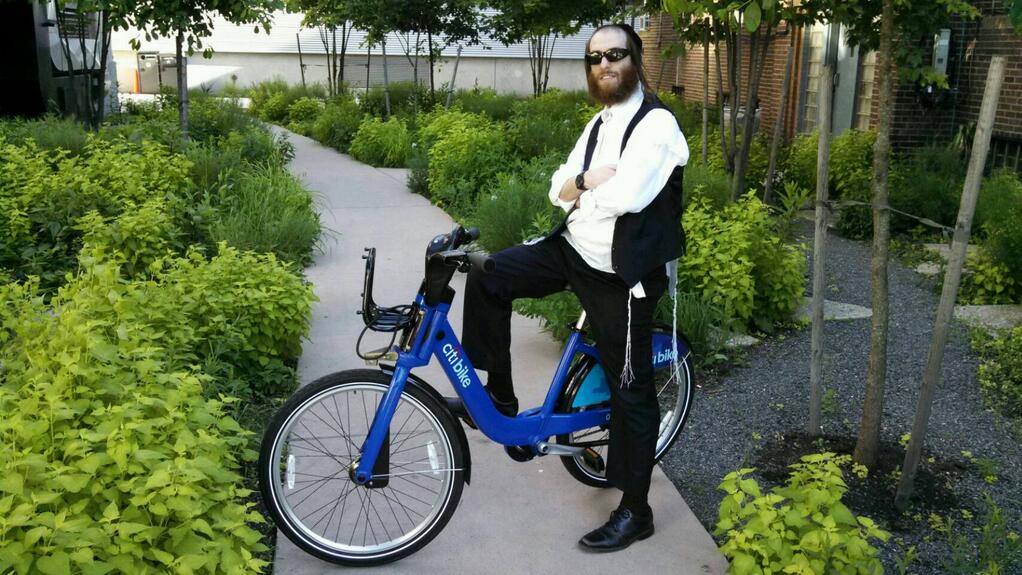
(267, 210)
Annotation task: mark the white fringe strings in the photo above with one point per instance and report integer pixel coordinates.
(672, 284)
(627, 375)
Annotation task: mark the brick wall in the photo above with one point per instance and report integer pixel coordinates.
(687, 71)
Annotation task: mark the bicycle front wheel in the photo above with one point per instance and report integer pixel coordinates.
(674, 396)
(309, 454)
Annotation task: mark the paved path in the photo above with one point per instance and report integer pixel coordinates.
(513, 517)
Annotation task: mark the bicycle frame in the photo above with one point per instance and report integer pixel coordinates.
(436, 338)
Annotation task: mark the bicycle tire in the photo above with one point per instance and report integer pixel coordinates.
(673, 416)
(307, 440)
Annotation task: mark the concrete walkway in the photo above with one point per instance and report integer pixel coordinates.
(513, 517)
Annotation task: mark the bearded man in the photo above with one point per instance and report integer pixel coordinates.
(621, 190)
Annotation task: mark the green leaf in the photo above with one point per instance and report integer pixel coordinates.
(753, 15)
(12, 483)
(57, 564)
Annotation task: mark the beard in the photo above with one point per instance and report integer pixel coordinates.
(628, 79)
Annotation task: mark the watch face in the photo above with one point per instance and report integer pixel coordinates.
(580, 181)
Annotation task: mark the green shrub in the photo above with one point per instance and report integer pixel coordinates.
(1000, 193)
(260, 93)
(111, 457)
(800, 166)
(1000, 370)
(418, 171)
(406, 98)
(258, 145)
(928, 183)
(549, 123)
(275, 108)
(690, 115)
(998, 550)
(507, 209)
(48, 133)
(211, 118)
(135, 239)
(338, 123)
(851, 160)
(486, 101)
(856, 220)
(735, 259)
(988, 282)
(803, 525)
(380, 143)
(558, 312)
(43, 196)
(462, 163)
(267, 210)
(704, 182)
(759, 158)
(706, 326)
(440, 122)
(302, 114)
(270, 100)
(211, 165)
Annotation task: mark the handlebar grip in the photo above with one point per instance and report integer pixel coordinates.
(482, 261)
(472, 234)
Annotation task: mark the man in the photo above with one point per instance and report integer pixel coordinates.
(621, 190)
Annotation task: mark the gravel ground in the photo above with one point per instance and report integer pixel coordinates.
(768, 396)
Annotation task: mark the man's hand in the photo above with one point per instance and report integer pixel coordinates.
(593, 178)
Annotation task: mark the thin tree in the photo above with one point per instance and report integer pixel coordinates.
(782, 114)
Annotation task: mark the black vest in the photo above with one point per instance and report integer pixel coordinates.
(651, 237)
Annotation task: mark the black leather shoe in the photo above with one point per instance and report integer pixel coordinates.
(457, 407)
(623, 529)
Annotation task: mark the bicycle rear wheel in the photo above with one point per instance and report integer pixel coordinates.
(311, 448)
(674, 395)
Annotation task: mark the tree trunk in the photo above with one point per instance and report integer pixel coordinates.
(301, 58)
(547, 60)
(720, 90)
(824, 105)
(706, 88)
(454, 77)
(325, 39)
(345, 36)
(65, 43)
(872, 408)
(980, 147)
(782, 113)
(386, 79)
(757, 61)
(432, 87)
(103, 38)
(182, 86)
(659, 44)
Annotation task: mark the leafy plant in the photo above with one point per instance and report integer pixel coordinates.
(851, 161)
(928, 183)
(1000, 194)
(462, 163)
(48, 133)
(337, 124)
(706, 326)
(507, 208)
(705, 182)
(380, 143)
(800, 166)
(999, 549)
(1000, 370)
(558, 311)
(802, 527)
(988, 282)
(486, 101)
(302, 114)
(690, 116)
(406, 98)
(549, 123)
(1000, 216)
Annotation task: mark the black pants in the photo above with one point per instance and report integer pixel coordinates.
(547, 267)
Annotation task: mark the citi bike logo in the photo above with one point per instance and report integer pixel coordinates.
(459, 367)
(664, 356)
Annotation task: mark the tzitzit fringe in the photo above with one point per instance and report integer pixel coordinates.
(672, 284)
(627, 376)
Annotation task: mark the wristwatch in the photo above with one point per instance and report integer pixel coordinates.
(580, 181)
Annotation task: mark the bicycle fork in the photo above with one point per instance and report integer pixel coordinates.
(375, 453)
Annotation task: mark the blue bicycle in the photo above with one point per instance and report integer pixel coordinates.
(366, 466)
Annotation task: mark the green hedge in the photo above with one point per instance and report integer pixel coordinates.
(115, 451)
(380, 143)
(461, 163)
(549, 123)
(337, 124)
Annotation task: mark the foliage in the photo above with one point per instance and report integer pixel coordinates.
(440, 122)
(1000, 193)
(928, 183)
(705, 182)
(802, 527)
(551, 122)
(139, 237)
(801, 164)
(210, 118)
(462, 163)
(851, 161)
(486, 101)
(42, 196)
(380, 143)
(48, 133)
(689, 115)
(705, 325)
(406, 98)
(111, 456)
(338, 123)
(271, 99)
(999, 549)
(265, 209)
(736, 260)
(759, 157)
(1000, 370)
(418, 171)
(507, 209)
(302, 114)
(559, 312)
(988, 282)
(1001, 213)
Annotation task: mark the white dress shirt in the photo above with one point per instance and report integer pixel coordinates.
(655, 147)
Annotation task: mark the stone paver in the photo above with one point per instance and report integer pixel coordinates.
(513, 517)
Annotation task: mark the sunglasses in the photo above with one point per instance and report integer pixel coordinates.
(613, 55)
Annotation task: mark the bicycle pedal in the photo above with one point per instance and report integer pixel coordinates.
(593, 460)
(520, 453)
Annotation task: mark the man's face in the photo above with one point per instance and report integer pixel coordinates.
(611, 82)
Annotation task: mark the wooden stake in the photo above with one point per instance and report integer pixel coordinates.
(980, 147)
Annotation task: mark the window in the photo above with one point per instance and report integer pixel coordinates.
(817, 44)
(864, 98)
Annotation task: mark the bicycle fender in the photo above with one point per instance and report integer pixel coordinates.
(458, 428)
